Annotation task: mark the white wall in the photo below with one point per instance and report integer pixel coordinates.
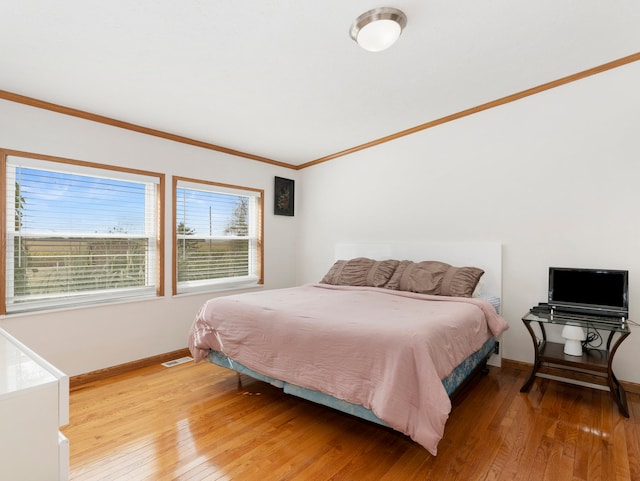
(86, 339)
(553, 177)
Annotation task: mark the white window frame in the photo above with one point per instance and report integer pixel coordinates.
(153, 233)
(255, 276)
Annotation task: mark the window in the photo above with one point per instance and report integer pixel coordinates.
(78, 233)
(218, 235)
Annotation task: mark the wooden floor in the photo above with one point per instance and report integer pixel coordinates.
(192, 422)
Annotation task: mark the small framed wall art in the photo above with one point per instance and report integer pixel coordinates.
(283, 196)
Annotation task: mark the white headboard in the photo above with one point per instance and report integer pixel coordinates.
(485, 255)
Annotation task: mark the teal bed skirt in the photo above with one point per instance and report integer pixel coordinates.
(451, 383)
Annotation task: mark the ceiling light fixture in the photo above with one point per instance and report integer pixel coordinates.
(378, 29)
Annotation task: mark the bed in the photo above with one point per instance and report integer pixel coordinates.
(380, 337)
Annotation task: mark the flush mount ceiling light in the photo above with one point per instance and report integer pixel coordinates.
(378, 29)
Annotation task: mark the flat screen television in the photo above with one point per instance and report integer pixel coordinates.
(590, 291)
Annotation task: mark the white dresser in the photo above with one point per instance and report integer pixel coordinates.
(34, 403)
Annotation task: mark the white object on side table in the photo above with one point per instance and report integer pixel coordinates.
(574, 336)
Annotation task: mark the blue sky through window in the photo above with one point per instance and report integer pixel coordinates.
(206, 213)
(59, 203)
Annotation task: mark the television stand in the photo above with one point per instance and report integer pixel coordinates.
(594, 368)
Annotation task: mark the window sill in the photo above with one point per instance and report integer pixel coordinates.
(212, 290)
(94, 305)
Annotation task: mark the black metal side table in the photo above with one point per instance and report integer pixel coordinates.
(596, 362)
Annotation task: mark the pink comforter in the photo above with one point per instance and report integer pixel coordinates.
(382, 349)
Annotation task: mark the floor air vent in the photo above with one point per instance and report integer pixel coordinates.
(175, 362)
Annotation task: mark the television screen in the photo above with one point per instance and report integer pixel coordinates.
(588, 288)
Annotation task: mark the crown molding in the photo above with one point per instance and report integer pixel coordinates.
(61, 109)
(13, 97)
(474, 110)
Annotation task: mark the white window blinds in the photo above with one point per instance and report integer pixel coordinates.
(218, 236)
(78, 234)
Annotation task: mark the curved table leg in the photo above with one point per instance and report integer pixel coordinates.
(536, 349)
(617, 391)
